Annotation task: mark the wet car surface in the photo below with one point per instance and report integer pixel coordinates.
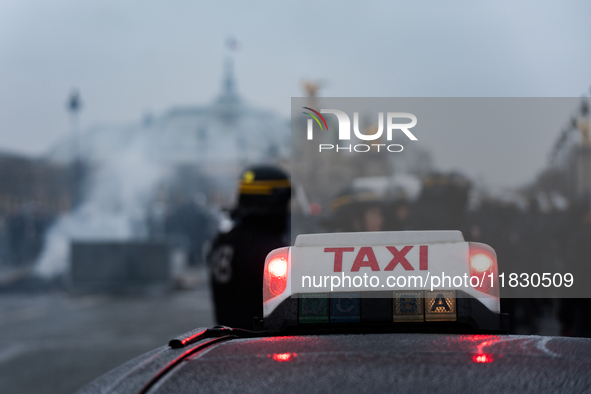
(355, 363)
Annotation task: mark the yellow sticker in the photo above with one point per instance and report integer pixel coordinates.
(248, 176)
(440, 305)
(408, 306)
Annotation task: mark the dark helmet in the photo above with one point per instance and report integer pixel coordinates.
(263, 189)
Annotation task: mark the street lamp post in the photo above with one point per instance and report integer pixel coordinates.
(74, 105)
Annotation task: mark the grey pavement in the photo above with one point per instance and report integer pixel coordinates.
(57, 343)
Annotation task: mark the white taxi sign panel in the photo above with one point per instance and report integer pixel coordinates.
(376, 263)
(376, 267)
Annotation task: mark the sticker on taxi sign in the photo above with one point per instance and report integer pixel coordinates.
(345, 308)
(440, 305)
(408, 306)
(314, 308)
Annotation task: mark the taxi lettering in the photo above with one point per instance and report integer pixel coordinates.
(366, 258)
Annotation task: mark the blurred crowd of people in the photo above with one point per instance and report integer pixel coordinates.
(529, 235)
(21, 234)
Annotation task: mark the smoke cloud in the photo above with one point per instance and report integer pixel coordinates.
(115, 206)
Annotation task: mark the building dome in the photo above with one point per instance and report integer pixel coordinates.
(221, 137)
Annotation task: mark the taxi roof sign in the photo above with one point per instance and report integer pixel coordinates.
(406, 276)
(380, 238)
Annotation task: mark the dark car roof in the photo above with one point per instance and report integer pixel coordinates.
(355, 363)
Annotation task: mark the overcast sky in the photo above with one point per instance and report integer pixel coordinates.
(130, 57)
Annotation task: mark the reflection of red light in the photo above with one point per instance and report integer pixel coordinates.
(482, 358)
(484, 343)
(314, 209)
(281, 357)
(479, 337)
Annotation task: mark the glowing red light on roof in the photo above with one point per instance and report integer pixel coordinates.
(481, 262)
(277, 275)
(483, 268)
(278, 267)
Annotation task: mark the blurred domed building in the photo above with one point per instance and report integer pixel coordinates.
(218, 139)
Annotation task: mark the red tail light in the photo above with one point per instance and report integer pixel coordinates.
(276, 272)
(483, 268)
(277, 275)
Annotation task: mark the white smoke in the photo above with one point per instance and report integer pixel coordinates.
(115, 207)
